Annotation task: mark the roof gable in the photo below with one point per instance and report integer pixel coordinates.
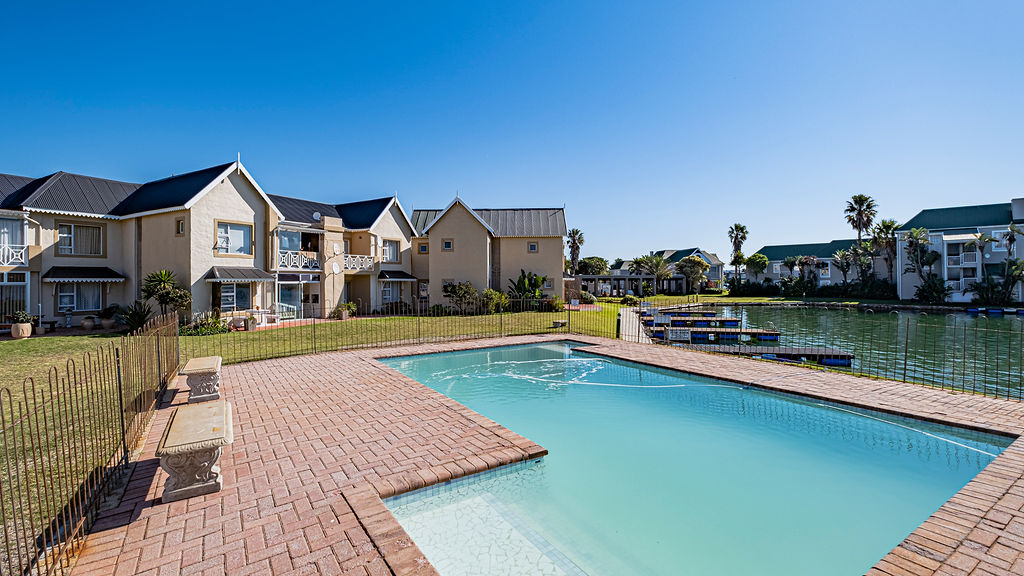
(172, 192)
(9, 184)
(502, 222)
(301, 211)
(364, 214)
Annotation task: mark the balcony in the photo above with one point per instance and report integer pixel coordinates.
(969, 258)
(298, 260)
(957, 286)
(13, 255)
(358, 263)
(953, 260)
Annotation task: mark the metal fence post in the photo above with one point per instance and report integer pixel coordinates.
(906, 347)
(119, 368)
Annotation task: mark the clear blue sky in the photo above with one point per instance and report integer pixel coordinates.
(657, 125)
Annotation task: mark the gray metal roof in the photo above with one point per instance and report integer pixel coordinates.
(95, 273)
(9, 184)
(508, 222)
(354, 215)
(169, 192)
(238, 274)
(299, 210)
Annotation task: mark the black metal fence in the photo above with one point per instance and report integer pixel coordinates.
(63, 442)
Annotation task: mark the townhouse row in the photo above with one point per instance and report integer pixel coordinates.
(620, 280)
(71, 245)
(952, 234)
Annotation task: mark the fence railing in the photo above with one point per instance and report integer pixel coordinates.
(65, 438)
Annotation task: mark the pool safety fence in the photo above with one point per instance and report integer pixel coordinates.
(66, 438)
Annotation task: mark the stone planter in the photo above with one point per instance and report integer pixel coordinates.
(88, 323)
(107, 323)
(21, 331)
(40, 330)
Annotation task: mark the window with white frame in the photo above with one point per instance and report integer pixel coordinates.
(826, 271)
(531, 247)
(776, 268)
(12, 232)
(79, 297)
(1000, 245)
(447, 245)
(234, 238)
(424, 248)
(79, 240)
(235, 296)
(386, 293)
(547, 285)
(390, 251)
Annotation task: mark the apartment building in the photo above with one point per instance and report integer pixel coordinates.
(620, 280)
(487, 247)
(949, 231)
(827, 273)
(358, 252)
(74, 244)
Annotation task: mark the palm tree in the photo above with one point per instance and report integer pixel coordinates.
(917, 243)
(843, 260)
(791, 262)
(737, 236)
(980, 242)
(886, 242)
(860, 213)
(1010, 238)
(575, 241)
(655, 265)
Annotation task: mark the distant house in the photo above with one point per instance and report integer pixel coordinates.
(487, 247)
(949, 230)
(827, 272)
(678, 282)
(620, 280)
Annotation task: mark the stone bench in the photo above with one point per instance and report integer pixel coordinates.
(190, 447)
(203, 378)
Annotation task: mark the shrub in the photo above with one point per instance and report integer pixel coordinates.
(460, 294)
(206, 326)
(494, 301)
(712, 291)
(439, 310)
(109, 312)
(932, 291)
(339, 311)
(554, 304)
(748, 288)
(587, 298)
(22, 317)
(630, 300)
(136, 315)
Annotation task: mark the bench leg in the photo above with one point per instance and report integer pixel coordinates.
(203, 387)
(191, 474)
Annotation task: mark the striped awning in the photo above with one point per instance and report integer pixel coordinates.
(65, 274)
(238, 274)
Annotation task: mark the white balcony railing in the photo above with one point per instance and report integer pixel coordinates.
(969, 258)
(297, 260)
(957, 286)
(13, 255)
(358, 262)
(953, 260)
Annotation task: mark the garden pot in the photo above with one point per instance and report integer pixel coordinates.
(40, 330)
(20, 331)
(107, 323)
(88, 323)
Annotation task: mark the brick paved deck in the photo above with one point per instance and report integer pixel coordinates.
(320, 439)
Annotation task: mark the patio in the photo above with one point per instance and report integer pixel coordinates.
(320, 439)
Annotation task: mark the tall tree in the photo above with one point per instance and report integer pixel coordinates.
(592, 266)
(860, 213)
(655, 265)
(980, 242)
(737, 236)
(575, 242)
(756, 265)
(885, 240)
(693, 267)
(916, 243)
(790, 263)
(163, 287)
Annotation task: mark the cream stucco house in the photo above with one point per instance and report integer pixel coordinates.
(487, 247)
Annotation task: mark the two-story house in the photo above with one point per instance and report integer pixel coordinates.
(826, 273)
(86, 242)
(487, 247)
(951, 231)
(358, 252)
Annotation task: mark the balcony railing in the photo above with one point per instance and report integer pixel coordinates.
(953, 260)
(358, 262)
(969, 257)
(298, 260)
(957, 286)
(13, 255)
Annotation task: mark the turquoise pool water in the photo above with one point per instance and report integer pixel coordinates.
(656, 472)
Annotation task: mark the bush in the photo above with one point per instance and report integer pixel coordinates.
(932, 291)
(338, 312)
(494, 301)
(748, 288)
(109, 312)
(712, 291)
(136, 315)
(206, 326)
(630, 300)
(554, 304)
(22, 317)
(587, 298)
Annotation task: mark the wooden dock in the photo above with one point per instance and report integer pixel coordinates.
(824, 356)
(706, 334)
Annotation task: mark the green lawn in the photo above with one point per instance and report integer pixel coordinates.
(34, 356)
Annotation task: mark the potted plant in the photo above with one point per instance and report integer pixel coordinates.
(344, 310)
(89, 322)
(108, 316)
(250, 323)
(21, 325)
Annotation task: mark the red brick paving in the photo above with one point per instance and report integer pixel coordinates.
(320, 439)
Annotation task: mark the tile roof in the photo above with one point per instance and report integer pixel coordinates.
(507, 222)
(963, 217)
(821, 249)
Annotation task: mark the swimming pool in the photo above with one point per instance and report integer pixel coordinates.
(656, 472)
